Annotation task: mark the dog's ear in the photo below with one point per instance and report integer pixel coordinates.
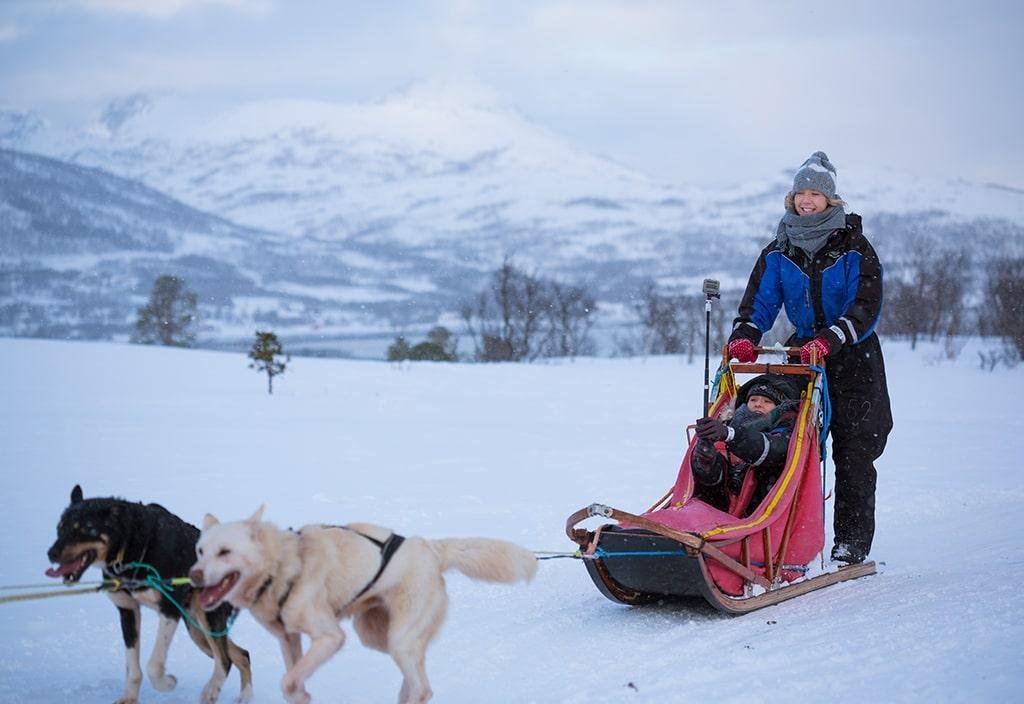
(76, 494)
(256, 517)
(209, 521)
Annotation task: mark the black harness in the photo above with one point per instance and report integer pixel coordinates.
(387, 550)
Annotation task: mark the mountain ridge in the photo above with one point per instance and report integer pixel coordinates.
(386, 218)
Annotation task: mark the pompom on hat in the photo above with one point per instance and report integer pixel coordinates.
(817, 174)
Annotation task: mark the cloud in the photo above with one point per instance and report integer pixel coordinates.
(164, 9)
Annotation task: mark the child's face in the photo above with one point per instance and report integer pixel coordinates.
(760, 404)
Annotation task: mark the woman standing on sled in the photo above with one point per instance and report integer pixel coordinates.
(827, 275)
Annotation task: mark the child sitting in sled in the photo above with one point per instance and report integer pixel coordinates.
(753, 442)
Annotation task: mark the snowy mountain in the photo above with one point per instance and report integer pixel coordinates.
(510, 450)
(390, 212)
(80, 249)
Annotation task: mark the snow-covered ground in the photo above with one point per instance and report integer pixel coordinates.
(509, 451)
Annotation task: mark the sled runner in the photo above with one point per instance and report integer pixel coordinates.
(683, 548)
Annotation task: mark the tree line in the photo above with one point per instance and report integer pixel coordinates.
(520, 316)
(936, 293)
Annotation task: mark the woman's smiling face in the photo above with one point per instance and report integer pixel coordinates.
(809, 202)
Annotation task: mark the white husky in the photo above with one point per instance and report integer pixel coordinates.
(305, 581)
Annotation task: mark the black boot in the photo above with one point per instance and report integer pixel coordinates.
(849, 553)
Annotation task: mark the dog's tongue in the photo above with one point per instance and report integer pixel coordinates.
(209, 596)
(67, 568)
(62, 570)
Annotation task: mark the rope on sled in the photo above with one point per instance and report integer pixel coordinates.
(553, 555)
(152, 579)
(63, 591)
(51, 589)
(601, 552)
(48, 585)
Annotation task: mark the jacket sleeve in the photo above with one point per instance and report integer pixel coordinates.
(762, 299)
(861, 315)
(757, 448)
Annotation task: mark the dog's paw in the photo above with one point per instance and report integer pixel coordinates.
(127, 700)
(164, 683)
(210, 693)
(294, 692)
(420, 698)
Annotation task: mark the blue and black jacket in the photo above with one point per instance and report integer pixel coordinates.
(836, 295)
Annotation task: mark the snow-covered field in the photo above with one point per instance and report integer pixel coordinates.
(509, 451)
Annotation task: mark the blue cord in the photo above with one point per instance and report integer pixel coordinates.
(826, 412)
(601, 552)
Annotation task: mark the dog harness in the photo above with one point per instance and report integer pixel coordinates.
(387, 550)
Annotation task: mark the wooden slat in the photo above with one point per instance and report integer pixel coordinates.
(759, 368)
(731, 605)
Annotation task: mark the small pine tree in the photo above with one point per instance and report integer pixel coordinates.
(399, 350)
(169, 317)
(265, 355)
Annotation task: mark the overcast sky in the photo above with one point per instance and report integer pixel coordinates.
(688, 92)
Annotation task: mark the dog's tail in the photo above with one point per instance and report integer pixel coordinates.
(486, 559)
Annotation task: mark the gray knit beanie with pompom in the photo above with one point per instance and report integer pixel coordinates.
(816, 174)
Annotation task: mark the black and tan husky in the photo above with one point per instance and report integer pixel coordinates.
(111, 533)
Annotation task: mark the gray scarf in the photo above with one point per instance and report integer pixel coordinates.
(809, 232)
(743, 416)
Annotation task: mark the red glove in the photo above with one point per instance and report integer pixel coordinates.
(742, 350)
(817, 345)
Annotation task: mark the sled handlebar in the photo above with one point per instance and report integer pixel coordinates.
(784, 367)
(770, 368)
(778, 349)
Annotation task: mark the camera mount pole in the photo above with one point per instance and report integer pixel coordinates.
(710, 289)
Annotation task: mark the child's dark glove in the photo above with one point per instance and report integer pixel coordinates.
(712, 430)
(704, 452)
(736, 474)
(706, 463)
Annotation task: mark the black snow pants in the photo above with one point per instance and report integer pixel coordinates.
(861, 421)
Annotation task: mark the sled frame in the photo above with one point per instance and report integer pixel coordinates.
(759, 590)
(699, 552)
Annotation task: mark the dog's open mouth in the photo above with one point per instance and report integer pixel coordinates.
(210, 597)
(73, 570)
